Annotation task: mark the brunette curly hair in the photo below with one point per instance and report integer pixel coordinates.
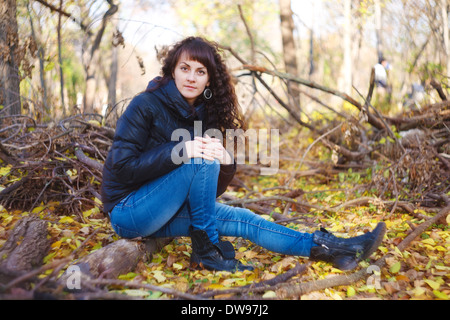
(223, 110)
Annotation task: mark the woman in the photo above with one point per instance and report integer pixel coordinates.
(147, 193)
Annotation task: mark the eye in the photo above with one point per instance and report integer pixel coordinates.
(184, 68)
(202, 72)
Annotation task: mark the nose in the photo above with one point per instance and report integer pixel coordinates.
(191, 76)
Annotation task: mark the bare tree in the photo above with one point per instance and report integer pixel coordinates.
(9, 66)
(91, 61)
(378, 28)
(61, 74)
(444, 10)
(289, 50)
(41, 55)
(347, 71)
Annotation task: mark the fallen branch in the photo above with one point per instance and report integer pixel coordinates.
(140, 285)
(88, 161)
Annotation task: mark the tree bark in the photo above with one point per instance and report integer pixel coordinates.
(41, 55)
(119, 257)
(9, 68)
(445, 33)
(25, 248)
(289, 50)
(347, 66)
(112, 79)
(61, 74)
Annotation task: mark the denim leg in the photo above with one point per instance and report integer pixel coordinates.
(202, 199)
(191, 187)
(239, 222)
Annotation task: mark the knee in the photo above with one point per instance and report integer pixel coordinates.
(206, 164)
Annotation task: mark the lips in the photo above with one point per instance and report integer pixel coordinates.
(190, 87)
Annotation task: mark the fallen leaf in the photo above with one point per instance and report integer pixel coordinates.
(395, 267)
(269, 294)
(433, 284)
(351, 291)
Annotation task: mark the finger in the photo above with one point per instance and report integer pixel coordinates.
(207, 139)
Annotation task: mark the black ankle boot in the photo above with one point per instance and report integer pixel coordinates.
(344, 253)
(220, 257)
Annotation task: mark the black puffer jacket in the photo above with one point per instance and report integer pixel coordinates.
(142, 146)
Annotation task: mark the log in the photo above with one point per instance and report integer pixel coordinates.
(25, 248)
(119, 257)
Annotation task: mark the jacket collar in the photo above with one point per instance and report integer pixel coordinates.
(172, 97)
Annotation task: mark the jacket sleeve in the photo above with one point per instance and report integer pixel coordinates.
(131, 163)
(225, 176)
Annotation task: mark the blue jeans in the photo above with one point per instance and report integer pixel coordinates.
(186, 196)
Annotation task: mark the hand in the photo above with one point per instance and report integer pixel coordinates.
(208, 148)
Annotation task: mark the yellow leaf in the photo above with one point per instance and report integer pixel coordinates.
(351, 291)
(418, 291)
(438, 267)
(398, 252)
(66, 219)
(56, 244)
(37, 209)
(89, 212)
(429, 241)
(177, 266)
(5, 170)
(49, 257)
(440, 295)
(383, 249)
(128, 276)
(269, 294)
(159, 276)
(136, 293)
(395, 267)
(95, 123)
(433, 284)
(215, 286)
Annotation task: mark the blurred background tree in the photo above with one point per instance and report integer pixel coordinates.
(75, 56)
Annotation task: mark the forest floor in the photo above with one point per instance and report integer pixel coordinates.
(304, 198)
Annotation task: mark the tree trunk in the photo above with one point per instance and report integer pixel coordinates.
(289, 50)
(347, 71)
(378, 29)
(41, 56)
(445, 33)
(61, 74)
(9, 69)
(112, 79)
(92, 61)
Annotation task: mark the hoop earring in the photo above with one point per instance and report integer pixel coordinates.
(207, 93)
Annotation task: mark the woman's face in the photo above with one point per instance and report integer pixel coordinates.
(191, 78)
